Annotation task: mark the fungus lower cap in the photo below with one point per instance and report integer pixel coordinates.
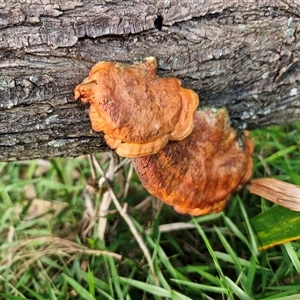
(138, 111)
(198, 174)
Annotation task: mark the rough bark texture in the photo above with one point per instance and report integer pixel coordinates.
(240, 54)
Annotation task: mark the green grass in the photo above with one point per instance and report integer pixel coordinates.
(56, 253)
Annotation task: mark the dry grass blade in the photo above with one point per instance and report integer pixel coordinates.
(135, 233)
(88, 219)
(26, 252)
(126, 189)
(129, 222)
(106, 198)
(277, 191)
(101, 215)
(172, 227)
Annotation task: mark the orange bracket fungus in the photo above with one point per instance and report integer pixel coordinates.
(198, 174)
(191, 160)
(137, 111)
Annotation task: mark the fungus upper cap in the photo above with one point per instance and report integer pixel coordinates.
(198, 174)
(138, 111)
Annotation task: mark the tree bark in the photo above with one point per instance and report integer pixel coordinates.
(243, 55)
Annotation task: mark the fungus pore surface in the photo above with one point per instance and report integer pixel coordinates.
(137, 111)
(198, 174)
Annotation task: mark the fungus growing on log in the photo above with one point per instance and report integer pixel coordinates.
(198, 174)
(197, 171)
(137, 111)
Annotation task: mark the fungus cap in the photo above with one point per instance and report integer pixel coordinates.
(197, 175)
(138, 111)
